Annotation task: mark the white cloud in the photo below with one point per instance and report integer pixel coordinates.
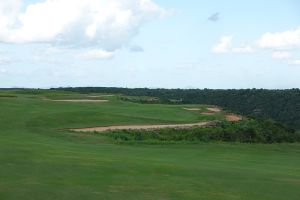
(281, 55)
(224, 45)
(96, 54)
(101, 23)
(281, 44)
(8, 14)
(281, 40)
(295, 62)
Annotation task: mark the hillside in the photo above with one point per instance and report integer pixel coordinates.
(41, 159)
(280, 105)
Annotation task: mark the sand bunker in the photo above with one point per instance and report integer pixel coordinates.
(192, 109)
(81, 100)
(214, 109)
(233, 118)
(104, 95)
(140, 127)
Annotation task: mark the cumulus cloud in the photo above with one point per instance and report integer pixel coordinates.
(96, 54)
(224, 45)
(280, 40)
(214, 17)
(281, 55)
(281, 44)
(8, 14)
(82, 23)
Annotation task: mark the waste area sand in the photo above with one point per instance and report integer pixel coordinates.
(141, 127)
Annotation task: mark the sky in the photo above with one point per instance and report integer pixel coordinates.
(218, 44)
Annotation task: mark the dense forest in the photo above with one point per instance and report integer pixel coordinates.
(280, 105)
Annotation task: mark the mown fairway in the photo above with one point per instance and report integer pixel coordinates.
(40, 161)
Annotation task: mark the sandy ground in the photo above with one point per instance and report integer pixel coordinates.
(233, 118)
(140, 127)
(104, 95)
(81, 100)
(192, 109)
(214, 109)
(207, 113)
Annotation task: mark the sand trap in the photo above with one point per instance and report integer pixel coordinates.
(81, 100)
(192, 109)
(140, 127)
(214, 109)
(233, 118)
(104, 95)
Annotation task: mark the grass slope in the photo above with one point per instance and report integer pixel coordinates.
(37, 161)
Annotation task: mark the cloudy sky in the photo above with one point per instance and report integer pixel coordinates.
(150, 43)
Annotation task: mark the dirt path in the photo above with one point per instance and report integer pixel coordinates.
(140, 127)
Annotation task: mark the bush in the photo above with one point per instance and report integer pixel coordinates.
(246, 131)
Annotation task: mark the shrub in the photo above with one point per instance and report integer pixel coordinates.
(246, 131)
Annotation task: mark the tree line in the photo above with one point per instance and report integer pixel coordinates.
(280, 105)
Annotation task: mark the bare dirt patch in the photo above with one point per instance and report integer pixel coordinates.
(233, 117)
(192, 109)
(214, 109)
(207, 113)
(140, 127)
(81, 100)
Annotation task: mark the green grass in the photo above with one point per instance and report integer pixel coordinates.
(39, 161)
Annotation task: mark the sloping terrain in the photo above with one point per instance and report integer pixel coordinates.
(39, 160)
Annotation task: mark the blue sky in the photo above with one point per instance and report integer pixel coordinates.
(170, 44)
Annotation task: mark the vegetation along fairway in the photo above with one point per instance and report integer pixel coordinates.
(41, 159)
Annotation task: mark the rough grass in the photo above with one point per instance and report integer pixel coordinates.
(37, 161)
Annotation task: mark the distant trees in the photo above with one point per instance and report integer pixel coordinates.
(280, 105)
